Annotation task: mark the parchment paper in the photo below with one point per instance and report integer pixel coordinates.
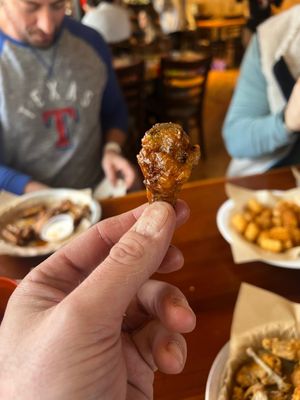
(244, 251)
(8, 203)
(258, 313)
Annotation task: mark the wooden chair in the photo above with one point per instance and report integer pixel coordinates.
(131, 81)
(183, 85)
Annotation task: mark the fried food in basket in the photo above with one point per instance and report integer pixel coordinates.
(24, 229)
(275, 229)
(272, 372)
(166, 160)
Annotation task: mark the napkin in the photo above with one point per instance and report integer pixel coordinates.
(106, 189)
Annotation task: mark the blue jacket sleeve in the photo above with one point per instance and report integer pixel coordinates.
(12, 181)
(250, 130)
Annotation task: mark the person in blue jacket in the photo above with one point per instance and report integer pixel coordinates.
(261, 129)
(63, 119)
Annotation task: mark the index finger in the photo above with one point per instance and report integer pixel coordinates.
(70, 265)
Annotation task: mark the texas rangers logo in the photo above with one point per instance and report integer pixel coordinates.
(59, 120)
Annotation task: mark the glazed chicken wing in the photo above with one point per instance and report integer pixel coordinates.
(166, 160)
(287, 349)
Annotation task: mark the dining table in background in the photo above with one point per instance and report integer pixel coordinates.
(210, 279)
(218, 24)
(152, 61)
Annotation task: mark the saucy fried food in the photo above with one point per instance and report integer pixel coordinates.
(273, 373)
(24, 229)
(166, 160)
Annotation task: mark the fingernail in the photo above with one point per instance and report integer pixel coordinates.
(152, 220)
(174, 348)
(181, 302)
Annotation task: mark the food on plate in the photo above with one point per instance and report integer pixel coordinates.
(166, 160)
(275, 229)
(271, 372)
(287, 349)
(24, 229)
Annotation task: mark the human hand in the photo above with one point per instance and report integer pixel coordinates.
(33, 186)
(113, 163)
(292, 115)
(64, 335)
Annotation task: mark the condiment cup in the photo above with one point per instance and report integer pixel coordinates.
(57, 228)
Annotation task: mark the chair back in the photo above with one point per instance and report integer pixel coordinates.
(131, 80)
(183, 82)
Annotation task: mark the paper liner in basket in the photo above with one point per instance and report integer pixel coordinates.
(244, 251)
(258, 314)
(8, 202)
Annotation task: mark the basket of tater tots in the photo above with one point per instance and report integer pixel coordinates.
(262, 225)
(263, 360)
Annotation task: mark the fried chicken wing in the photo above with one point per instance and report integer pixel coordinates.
(287, 349)
(166, 160)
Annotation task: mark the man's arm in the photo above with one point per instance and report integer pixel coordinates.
(12, 181)
(16, 182)
(250, 130)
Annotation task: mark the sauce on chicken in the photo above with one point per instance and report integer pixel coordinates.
(166, 160)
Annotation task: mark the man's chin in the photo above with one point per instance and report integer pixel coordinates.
(41, 43)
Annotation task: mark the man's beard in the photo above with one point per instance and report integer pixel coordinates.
(42, 44)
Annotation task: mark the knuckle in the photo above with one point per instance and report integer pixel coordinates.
(127, 250)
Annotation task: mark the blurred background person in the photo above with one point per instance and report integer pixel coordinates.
(172, 15)
(261, 129)
(109, 18)
(63, 119)
(259, 11)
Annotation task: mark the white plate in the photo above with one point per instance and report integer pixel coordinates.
(225, 230)
(48, 196)
(216, 374)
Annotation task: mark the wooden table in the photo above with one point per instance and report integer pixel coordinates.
(209, 279)
(220, 22)
(218, 25)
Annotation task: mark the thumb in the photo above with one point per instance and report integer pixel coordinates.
(131, 261)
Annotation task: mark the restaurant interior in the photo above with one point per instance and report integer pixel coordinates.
(211, 28)
(237, 288)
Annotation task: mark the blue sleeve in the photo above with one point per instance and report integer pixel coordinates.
(250, 130)
(113, 107)
(12, 181)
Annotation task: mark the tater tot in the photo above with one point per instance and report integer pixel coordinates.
(252, 231)
(269, 244)
(289, 218)
(249, 215)
(276, 229)
(295, 235)
(239, 222)
(264, 219)
(280, 233)
(254, 206)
